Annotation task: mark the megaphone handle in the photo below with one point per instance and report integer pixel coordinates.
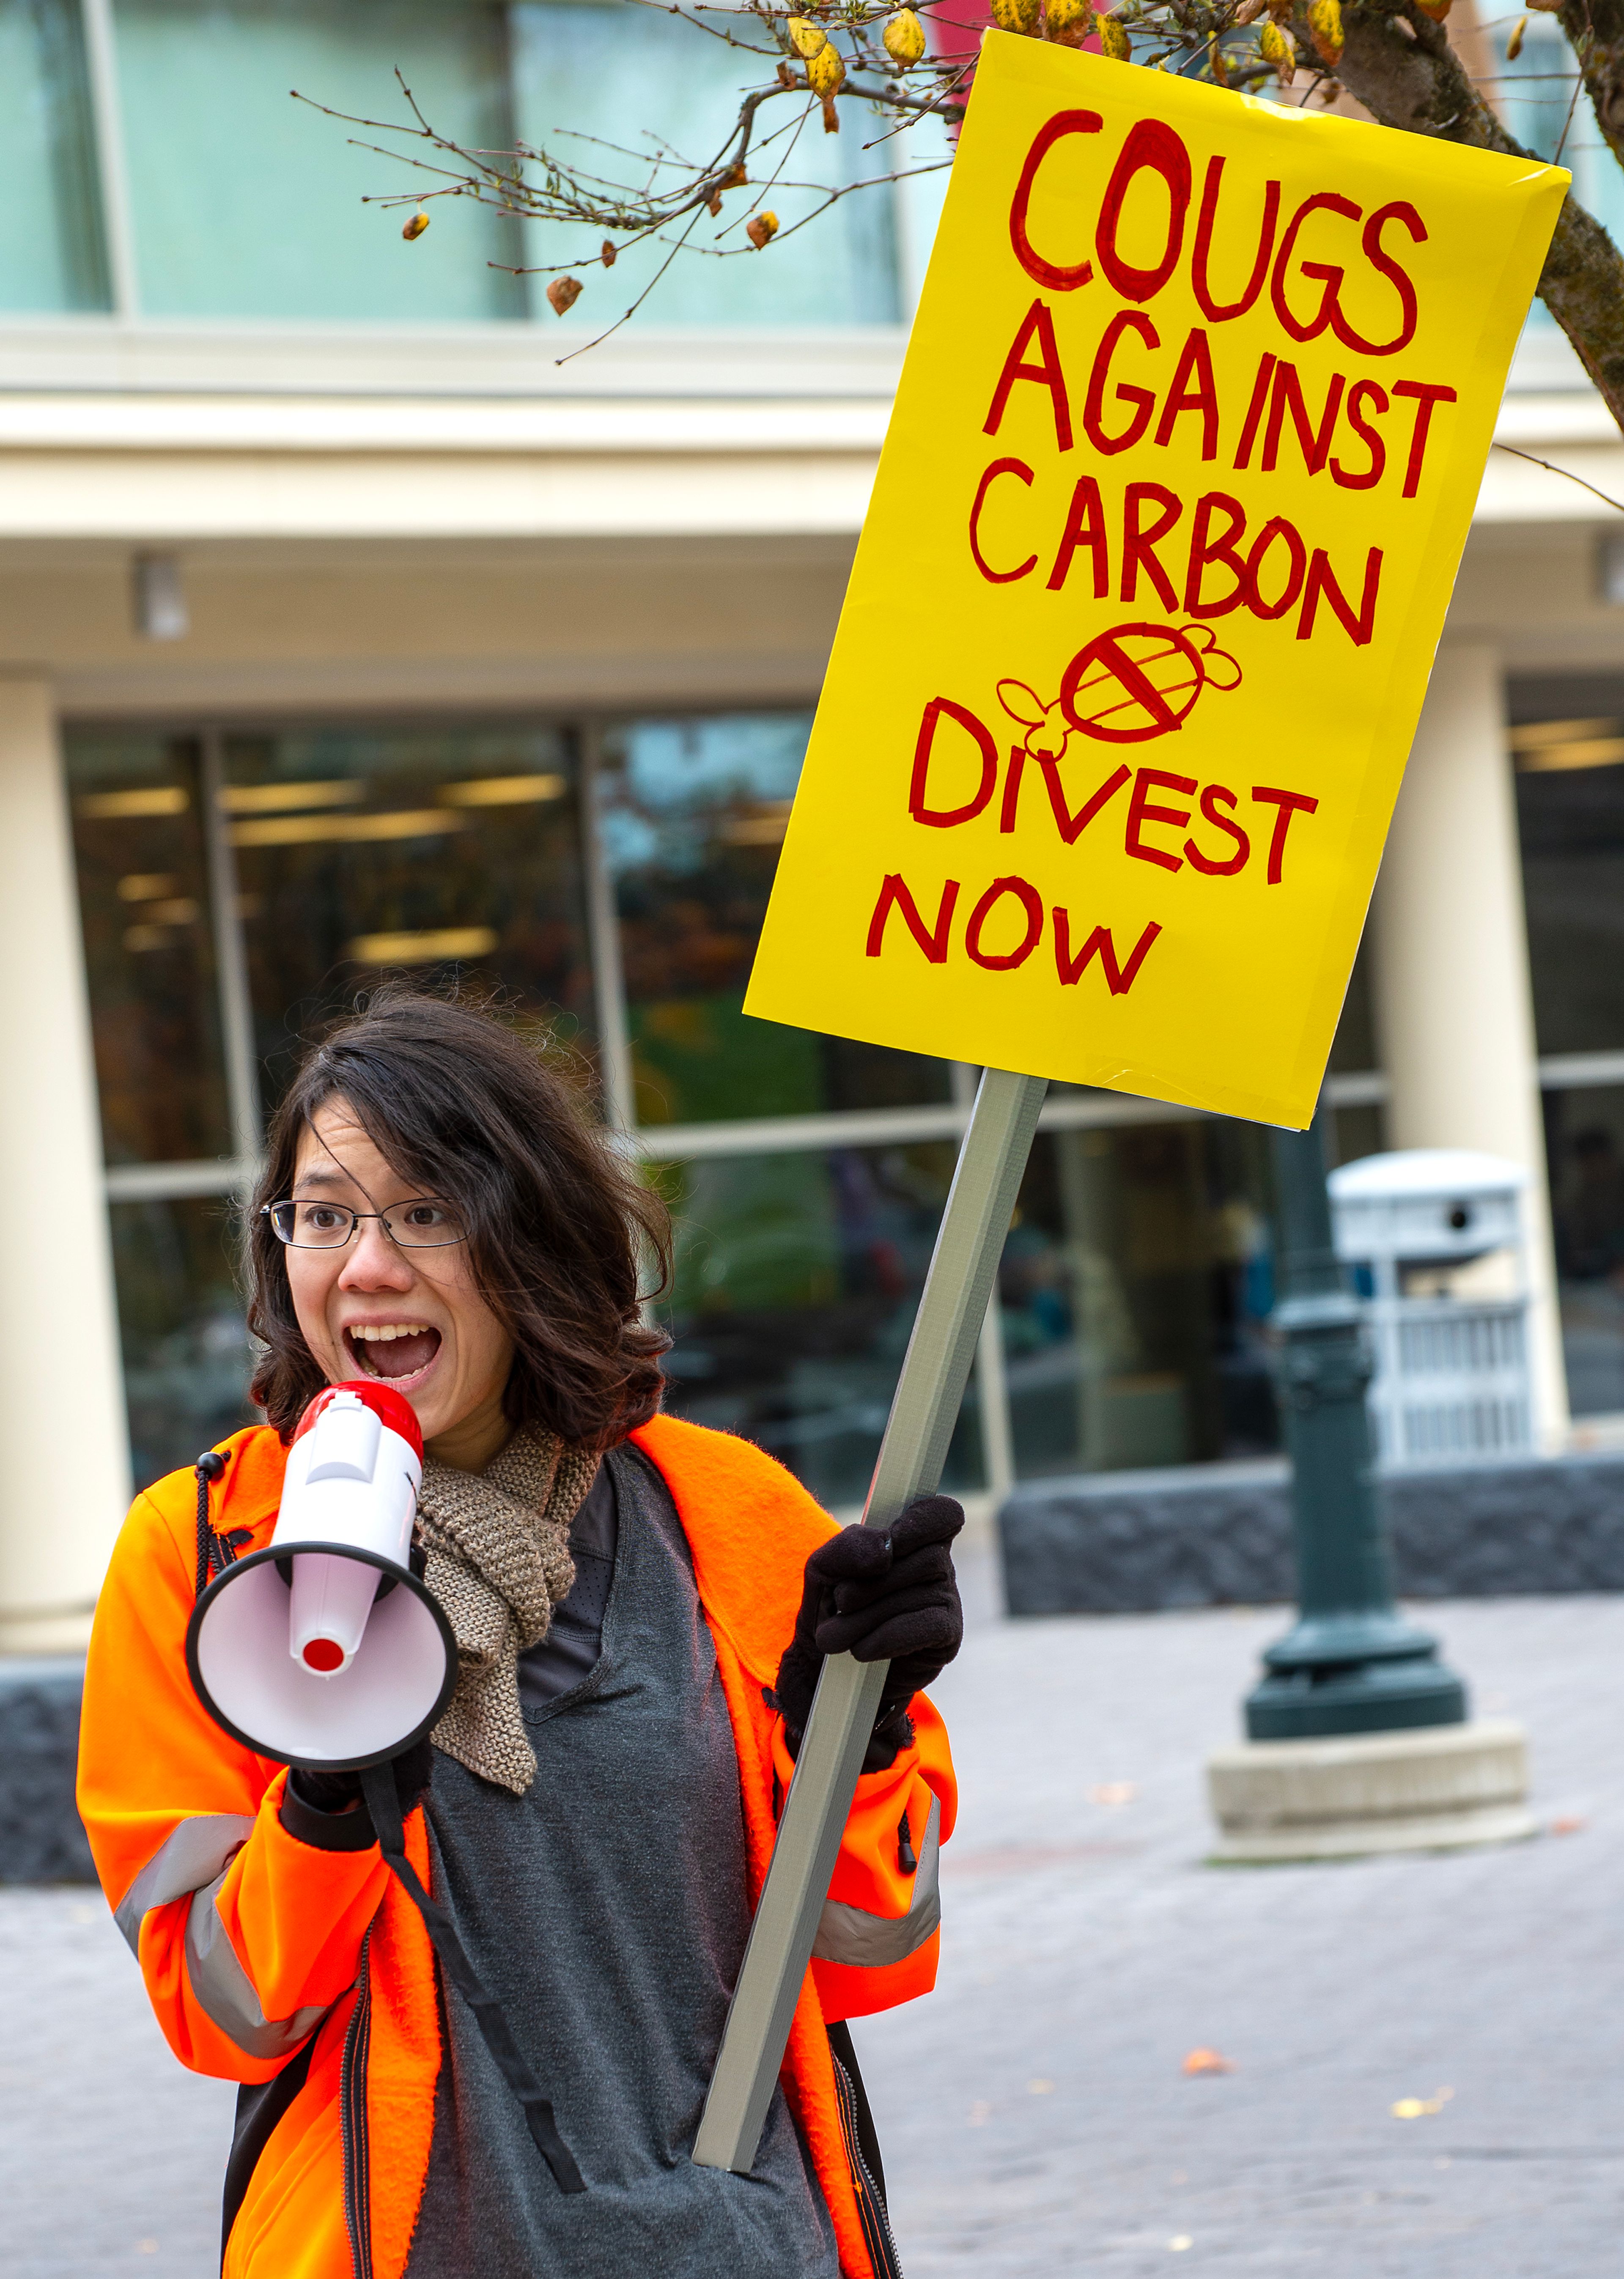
(378, 1788)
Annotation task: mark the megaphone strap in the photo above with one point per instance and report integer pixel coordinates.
(215, 1553)
(208, 1468)
(378, 1788)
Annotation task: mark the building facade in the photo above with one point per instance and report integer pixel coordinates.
(346, 630)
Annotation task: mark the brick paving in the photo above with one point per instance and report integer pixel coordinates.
(1035, 2114)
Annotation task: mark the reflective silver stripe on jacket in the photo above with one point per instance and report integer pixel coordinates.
(197, 1851)
(192, 1861)
(224, 1990)
(852, 1935)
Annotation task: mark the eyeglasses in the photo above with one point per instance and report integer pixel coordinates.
(423, 1224)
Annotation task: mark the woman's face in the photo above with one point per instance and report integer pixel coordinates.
(411, 1318)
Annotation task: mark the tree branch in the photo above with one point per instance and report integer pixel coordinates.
(1401, 66)
(1397, 61)
(1595, 30)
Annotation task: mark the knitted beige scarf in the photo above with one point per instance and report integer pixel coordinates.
(498, 1558)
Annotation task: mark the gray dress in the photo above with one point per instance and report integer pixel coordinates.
(606, 1911)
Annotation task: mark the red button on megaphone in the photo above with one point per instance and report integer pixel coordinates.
(325, 1650)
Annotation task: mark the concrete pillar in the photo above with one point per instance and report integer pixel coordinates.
(1454, 1007)
(65, 1466)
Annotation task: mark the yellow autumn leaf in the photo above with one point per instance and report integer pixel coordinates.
(1068, 20)
(904, 38)
(1325, 27)
(1277, 46)
(826, 72)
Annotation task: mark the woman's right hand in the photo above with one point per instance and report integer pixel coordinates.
(340, 1792)
(881, 1594)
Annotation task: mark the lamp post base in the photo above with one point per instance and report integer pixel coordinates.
(1439, 1789)
(1307, 1701)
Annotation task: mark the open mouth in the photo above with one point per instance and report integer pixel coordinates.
(394, 1351)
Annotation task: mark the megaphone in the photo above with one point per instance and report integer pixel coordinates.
(325, 1650)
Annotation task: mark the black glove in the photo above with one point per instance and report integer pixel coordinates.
(881, 1594)
(336, 1791)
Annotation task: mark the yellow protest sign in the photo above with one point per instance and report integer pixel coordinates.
(1181, 462)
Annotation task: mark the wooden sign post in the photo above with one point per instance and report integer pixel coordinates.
(1181, 462)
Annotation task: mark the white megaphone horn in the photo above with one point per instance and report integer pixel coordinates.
(325, 1650)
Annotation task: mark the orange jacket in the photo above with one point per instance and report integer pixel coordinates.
(263, 1954)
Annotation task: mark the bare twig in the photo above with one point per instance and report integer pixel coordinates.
(1551, 468)
(1397, 61)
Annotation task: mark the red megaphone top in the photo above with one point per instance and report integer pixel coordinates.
(390, 1407)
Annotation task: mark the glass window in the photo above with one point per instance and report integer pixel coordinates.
(797, 1280)
(1584, 1148)
(187, 1357)
(1536, 98)
(248, 204)
(50, 253)
(1353, 1047)
(143, 900)
(1568, 740)
(694, 814)
(609, 88)
(1133, 1293)
(1355, 1133)
(415, 849)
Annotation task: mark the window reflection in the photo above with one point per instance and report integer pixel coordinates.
(1353, 1046)
(143, 898)
(50, 252)
(252, 206)
(646, 85)
(1535, 96)
(1569, 744)
(1137, 1279)
(797, 1280)
(1584, 1146)
(360, 852)
(1355, 1132)
(693, 814)
(186, 1348)
(1133, 1295)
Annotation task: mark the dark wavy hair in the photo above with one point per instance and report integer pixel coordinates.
(559, 1225)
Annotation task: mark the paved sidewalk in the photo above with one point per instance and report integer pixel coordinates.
(1036, 2115)
(1034, 2112)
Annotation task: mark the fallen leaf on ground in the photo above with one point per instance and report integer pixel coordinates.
(1207, 2061)
(1413, 2108)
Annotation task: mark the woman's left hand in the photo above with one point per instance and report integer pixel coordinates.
(881, 1594)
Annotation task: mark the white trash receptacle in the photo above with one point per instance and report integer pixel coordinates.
(1436, 1239)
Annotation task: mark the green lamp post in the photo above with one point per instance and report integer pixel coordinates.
(1349, 1663)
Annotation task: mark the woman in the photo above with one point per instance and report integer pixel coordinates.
(640, 1608)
